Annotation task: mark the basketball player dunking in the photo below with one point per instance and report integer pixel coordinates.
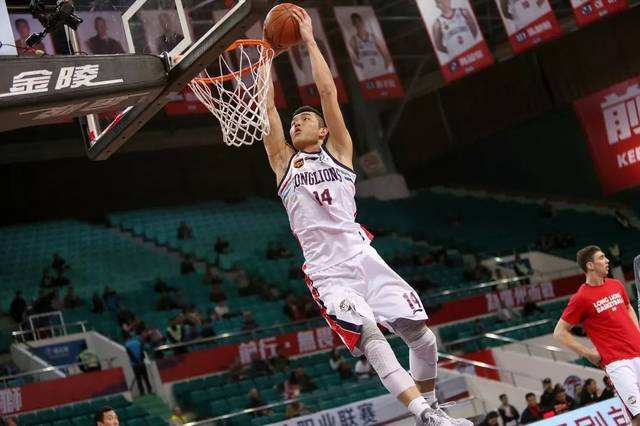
(454, 31)
(602, 306)
(352, 285)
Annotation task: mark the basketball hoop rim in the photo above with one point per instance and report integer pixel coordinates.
(265, 57)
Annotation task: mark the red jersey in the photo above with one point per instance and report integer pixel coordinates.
(603, 312)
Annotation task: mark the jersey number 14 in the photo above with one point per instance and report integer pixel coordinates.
(324, 198)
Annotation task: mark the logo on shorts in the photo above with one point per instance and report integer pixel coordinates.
(299, 163)
(345, 306)
(632, 400)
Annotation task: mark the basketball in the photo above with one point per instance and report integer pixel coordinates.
(281, 29)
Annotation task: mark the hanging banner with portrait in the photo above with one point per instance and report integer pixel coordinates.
(368, 52)
(302, 64)
(528, 22)
(456, 38)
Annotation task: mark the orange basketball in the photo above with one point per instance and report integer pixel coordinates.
(281, 29)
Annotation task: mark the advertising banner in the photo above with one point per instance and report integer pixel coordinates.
(611, 121)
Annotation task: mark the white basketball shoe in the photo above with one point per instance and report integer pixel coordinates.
(439, 412)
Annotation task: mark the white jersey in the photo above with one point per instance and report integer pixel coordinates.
(525, 12)
(318, 193)
(370, 57)
(456, 34)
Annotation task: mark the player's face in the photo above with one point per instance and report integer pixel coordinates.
(101, 27)
(443, 4)
(23, 29)
(306, 130)
(600, 264)
(531, 400)
(110, 418)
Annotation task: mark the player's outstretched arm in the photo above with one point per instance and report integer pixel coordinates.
(339, 139)
(562, 334)
(278, 152)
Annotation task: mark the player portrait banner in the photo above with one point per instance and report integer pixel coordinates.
(587, 11)
(456, 38)
(611, 121)
(5, 31)
(301, 63)
(23, 25)
(528, 22)
(368, 52)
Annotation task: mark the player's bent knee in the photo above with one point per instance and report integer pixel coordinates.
(414, 333)
(377, 350)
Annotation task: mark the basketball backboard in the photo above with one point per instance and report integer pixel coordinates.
(179, 37)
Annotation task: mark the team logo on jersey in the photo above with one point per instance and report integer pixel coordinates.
(299, 163)
(632, 400)
(345, 306)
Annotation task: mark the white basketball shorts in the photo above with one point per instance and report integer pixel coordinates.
(363, 286)
(625, 375)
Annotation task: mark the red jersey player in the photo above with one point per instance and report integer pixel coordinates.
(602, 306)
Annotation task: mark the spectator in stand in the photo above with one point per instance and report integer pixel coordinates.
(292, 310)
(42, 303)
(305, 382)
(47, 280)
(166, 302)
(280, 362)
(187, 266)
(177, 418)
(60, 280)
(546, 400)
(532, 413)
(136, 356)
(363, 369)
(609, 391)
(236, 370)
(589, 393)
(491, 419)
(57, 303)
(207, 328)
(97, 304)
(59, 264)
(88, 359)
(295, 272)
(478, 328)
(111, 298)
(530, 307)
(259, 367)
(255, 401)
(506, 313)
(174, 334)
(71, 299)
(248, 322)
(222, 310)
(184, 231)
(221, 246)
(217, 295)
(212, 276)
(107, 416)
(508, 412)
(295, 409)
(160, 286)
(563, 402)
(291, 387)
(521, 268)
(18, 307)
(152, 338)
(339, 364)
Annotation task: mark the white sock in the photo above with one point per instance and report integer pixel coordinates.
(417, 406)
(430, 396)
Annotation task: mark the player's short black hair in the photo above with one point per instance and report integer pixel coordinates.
(585, 255)
(99, 18)
(504, 395)
(307, 108)
(529, 394)
(492, 415)
(21, 21)
(356, 17)
(99, 416)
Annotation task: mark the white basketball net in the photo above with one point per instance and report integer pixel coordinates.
(238, 99)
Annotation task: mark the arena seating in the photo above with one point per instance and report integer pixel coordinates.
(81, 414)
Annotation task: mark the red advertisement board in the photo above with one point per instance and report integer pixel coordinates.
(587, 11)
(528, 22)
(50, 393)
(456, 38)
(611, 121)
